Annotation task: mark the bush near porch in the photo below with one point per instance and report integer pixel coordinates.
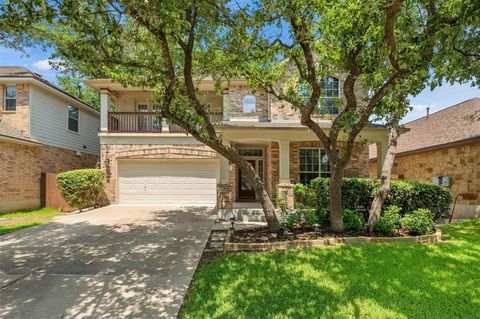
(83, 188)
(409, 195)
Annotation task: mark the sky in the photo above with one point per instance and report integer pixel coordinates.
(438, 99)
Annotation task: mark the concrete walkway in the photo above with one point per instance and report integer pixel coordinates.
(113, 262)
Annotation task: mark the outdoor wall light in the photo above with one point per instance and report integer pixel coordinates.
(107, 162)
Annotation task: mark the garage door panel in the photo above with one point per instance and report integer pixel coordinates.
(168, 182)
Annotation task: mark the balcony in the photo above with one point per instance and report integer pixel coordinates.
(147, 122)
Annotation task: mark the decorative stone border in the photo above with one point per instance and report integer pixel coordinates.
(236, 247)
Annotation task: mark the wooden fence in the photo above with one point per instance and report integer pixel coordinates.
(50, 194)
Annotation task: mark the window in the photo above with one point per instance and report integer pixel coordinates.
(10, 98)
(330, 99)
(249, 104)
(313, 163)
(252, 152)
(73, 118)
(330, 95)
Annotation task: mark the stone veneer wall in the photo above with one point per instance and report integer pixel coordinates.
(235, 103)
(281, 110)
(18, 119)
(461, 162)
(358, 166)
(113, 152)
(21, 167)
(272, 166)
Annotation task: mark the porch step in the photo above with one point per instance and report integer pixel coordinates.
(243, 215)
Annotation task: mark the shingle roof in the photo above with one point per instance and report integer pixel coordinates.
(21, 72)
(10, 132)
(443, 127)
(16, 71)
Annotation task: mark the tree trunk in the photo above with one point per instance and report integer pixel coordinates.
(379, 199)
(336, 215)
(259, 187)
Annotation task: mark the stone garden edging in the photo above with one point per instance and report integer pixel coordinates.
(311, 243)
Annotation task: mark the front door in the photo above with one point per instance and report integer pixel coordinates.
(245, 192)
(142, 119)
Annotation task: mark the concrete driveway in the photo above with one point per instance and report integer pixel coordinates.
(113, 262)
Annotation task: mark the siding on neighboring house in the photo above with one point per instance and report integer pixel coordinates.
(49, 117)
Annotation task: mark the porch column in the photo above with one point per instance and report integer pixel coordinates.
(105, 102)
(381, 153)
(285, 188)
(284, 162)
(223, 170)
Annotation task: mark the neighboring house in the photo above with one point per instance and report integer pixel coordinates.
(150, 161)
(442, 148)
(42, 129)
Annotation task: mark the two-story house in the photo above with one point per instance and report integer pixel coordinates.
(42, 129)
(150, 161)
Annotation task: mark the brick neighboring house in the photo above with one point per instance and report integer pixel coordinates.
(42, 129)
(150, 161)
(445, 143)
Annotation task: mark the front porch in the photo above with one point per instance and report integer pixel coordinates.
(280, 164)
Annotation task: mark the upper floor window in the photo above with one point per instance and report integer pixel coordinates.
(73, 118)
(330, 95)
(313, 163)
(249, 104)
(10, 98)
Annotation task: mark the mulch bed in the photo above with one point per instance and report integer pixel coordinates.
(263, 235)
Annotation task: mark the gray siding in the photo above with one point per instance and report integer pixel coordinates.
(49, 114)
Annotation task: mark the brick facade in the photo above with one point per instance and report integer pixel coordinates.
(235, 103)
(358, 165)
(18, 119)
(21, 167)
(462, 163)
(227, 193)
(272, 167)
(281, 110)
(114, 152)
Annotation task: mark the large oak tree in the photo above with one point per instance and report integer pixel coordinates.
(159, 45)
(389, 48)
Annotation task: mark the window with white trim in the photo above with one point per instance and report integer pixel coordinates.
(329, 102)
(330, 95)
(10, 98)
(73, 115)
(313, 163)
(249, 104)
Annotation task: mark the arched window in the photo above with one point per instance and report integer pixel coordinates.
(330, 100)
(249, 104)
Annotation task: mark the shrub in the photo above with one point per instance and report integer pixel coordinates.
(386, 222)
(83, 188)
(353, 220)
(418, 222)
(359, 192)
(309, 216)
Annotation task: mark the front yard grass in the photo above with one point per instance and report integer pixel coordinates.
(13, 221)
(352, 281)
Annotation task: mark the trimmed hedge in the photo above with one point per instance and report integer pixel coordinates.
(83, 188)
(409, 195)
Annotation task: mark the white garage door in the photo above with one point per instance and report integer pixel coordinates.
(175, 182)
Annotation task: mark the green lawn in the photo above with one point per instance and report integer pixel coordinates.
(352, 281)
(13, 221)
